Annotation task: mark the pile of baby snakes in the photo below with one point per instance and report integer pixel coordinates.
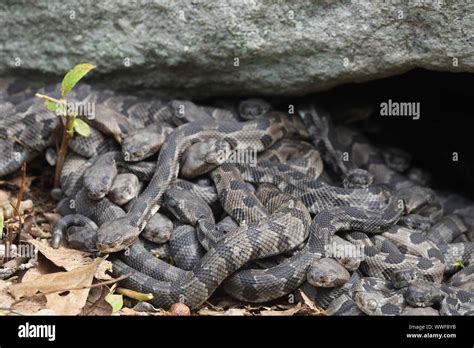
(252, 200)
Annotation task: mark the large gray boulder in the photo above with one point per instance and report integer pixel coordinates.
(236, 47)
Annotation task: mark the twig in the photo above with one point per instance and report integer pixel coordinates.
(77, 288)
(48, 98)
(6, 257)
(22, 187)
(10, 231)
(139, 296)
(67, 133)
(62, 150)
(20, 198)
(11, 310)
(17, 212)
(16, 207)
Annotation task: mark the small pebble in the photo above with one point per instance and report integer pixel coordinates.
(180, 309)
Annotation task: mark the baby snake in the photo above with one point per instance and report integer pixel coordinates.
(333, 206)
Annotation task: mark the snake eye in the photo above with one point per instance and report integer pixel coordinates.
(171, 203)
(431, 199)
(372, 305)
(220, 156)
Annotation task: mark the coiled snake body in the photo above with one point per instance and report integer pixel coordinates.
(273, 221)
(118, 234)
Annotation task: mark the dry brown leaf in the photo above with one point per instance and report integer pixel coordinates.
(30, 306)
(286, 312)
(229, 312)
(4, 197)
(31, 274)
(5, 299)
(28, 180)
(63, 301)
(62, 257)
(307, 301)
(38, 232)
(70, 259)
(101, 273)
(96, 304)
(131, 311)
(35, 304)
(46, 311)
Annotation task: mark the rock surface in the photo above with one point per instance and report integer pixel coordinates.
(190, 48)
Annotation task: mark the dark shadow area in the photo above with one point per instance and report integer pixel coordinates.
(444, 127)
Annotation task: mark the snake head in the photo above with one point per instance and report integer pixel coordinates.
(174, 200)
(204, 156)
(218, 153)
(99, 177)
(368, 302)
(416, 222)
(97, 188)
(140, 146)
(358, 178)
(116, 235)
(250, 109)
(415, 198)
(327, 273)
(404, 277)
(423, 294)
(397, 159)
(186, 206)
(178, 111)
(379, 303)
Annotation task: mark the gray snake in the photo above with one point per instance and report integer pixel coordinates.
(335, 208)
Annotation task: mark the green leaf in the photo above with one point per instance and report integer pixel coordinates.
(73, 77)
(115, 301)
(58, 108)
(1, 226)
(81, 127)
(50, 105)
(458, 263)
